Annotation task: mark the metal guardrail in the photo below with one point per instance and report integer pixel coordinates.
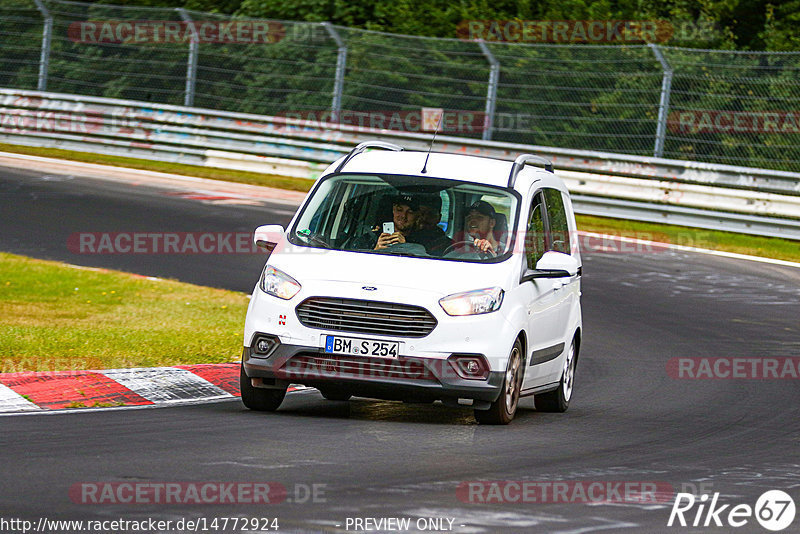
(736, 107)
(702, 195)
(692, 217)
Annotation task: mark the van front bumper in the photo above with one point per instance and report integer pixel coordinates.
(411, 379)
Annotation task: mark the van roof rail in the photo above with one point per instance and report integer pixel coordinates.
(361, 147)
(525, 159)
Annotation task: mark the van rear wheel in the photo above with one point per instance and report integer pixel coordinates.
(502, 411)
(558, 399)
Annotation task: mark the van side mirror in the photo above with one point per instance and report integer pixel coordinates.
(553, 264)
(268, 236)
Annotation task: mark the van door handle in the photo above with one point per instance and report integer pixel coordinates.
(557, 285)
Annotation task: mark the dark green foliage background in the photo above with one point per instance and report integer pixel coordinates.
(589, 96)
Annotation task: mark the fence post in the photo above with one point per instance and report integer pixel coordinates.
(341, 63)
(663, 105)
(191, 64)
(47, 32)
(491, 92)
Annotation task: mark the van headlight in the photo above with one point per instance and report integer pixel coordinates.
(473, 302)
(278, 284)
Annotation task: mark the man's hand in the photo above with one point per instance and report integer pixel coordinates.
(484, 245)
(384, 240)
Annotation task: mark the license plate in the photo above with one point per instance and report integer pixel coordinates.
(362, 347)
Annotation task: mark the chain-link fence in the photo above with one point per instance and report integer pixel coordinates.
(719, 106)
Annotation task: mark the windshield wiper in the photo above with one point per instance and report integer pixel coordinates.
(312, 239)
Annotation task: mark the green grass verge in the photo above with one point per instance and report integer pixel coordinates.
(725, 241)
(57, 317)
(228, 175)
(767, 247)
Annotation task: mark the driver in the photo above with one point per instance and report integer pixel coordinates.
(480, 228)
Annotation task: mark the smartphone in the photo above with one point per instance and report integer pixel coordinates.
(388, 228)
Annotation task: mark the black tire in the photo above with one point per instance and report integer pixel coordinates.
(502, 411)
(259, 399)
(333, 395)
(558, 399)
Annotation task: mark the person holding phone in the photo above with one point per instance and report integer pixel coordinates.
(405, 211)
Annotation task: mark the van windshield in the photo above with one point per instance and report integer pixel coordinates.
(409, 216)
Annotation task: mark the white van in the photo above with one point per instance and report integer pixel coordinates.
(420, 277)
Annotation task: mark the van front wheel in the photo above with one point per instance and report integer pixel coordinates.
(502, 411)
(335, 395)
(259, 399)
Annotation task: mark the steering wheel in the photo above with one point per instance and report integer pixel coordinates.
(481, 253)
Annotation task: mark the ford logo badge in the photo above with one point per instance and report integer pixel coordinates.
(369, 288)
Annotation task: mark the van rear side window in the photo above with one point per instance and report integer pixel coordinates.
(558, 234)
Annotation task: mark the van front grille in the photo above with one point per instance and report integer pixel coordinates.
(366, 317)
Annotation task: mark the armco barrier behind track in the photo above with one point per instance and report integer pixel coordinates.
(702, 195)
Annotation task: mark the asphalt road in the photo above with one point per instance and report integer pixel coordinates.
(41, 211)
(629, 420)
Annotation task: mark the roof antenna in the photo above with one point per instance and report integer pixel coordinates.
(438, 124)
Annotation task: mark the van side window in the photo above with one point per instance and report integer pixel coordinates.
(558, 236)
(534, 236)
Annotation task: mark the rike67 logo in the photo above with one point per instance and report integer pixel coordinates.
(774, 510)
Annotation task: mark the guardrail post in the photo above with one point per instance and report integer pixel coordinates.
(491, 92)
(663, 105)
(341, 64)
(47, 32)
(191, 64)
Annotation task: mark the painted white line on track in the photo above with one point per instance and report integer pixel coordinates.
(107, 270)
(154, 178)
